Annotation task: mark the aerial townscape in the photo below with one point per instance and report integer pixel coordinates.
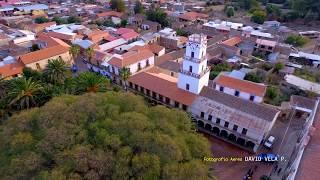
(160, 89)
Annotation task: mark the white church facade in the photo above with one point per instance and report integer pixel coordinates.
(241, 122)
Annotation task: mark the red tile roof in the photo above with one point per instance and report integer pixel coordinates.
(131, 58)
(155, 48)
(162, 84)
(110, 14)
(124, 31)
(43, 54)
(129, 35)
(11, 69)
(241, 85)
(97, 35)
(232, 41)
(192, 16)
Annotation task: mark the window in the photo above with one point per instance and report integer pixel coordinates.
(262, 46)
(190, 68)
(226, 124)
(244, 131)
(221, 88)
(167, 100)
(139, 66)
(136, 87)
(176, 104)
(154, 95)
(171, 73)
(251, 98)
(142, 89)
(236, 93)
(148, 92)
(160, 98)
(130, 84)
(209, 118)
(113, 70)
(235, 127)
(147, 62)
(202, 114)
(38, 66)
(192, 54)
(184, 107)
(218, 120)
(187, 86)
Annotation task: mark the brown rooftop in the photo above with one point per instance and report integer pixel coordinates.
(241, 85)
(162, 84)
(131, 57)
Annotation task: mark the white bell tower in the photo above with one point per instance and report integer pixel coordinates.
(194, 73)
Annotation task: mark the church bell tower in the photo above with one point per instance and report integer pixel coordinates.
(194, 73)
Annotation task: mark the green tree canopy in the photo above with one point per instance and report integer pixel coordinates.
(118, 5)
(297, 40)
(138, 8)
(91, 82)
(101, 136)
(56, 71)
(229, 11)
(258, 16)
(158, 15)
(40, 20)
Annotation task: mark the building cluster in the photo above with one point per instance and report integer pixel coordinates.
(164, 66)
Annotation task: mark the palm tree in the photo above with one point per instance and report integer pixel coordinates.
(91, 82)
(124, 75)
(74, 51)
(90, 53)
(56, 71)
(24, 93)
(3, 87)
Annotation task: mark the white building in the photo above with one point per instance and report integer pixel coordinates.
(240, 88)
(234, 119)
(194, 74)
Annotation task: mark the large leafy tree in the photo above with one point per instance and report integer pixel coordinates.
(24, 93)
(125, 74)
(101, 136)
(91, 82)
(306, 8)
(56, 71)
(158, 15)
(118, 5)
(138, 8)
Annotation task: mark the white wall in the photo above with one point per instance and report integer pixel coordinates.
(196, 84)
(242, 95)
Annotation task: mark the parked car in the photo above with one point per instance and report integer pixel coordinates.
(269, 142)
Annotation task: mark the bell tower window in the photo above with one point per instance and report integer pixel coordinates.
(192, 54)
(190, 69)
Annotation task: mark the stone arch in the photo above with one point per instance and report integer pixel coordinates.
(216, 130)
(224, 133)
(232, 137)
(200, 124)
(208, 127)
(241, 141)
(250, 144)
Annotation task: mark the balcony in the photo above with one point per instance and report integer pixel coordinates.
(198, 76)
(193, 59)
